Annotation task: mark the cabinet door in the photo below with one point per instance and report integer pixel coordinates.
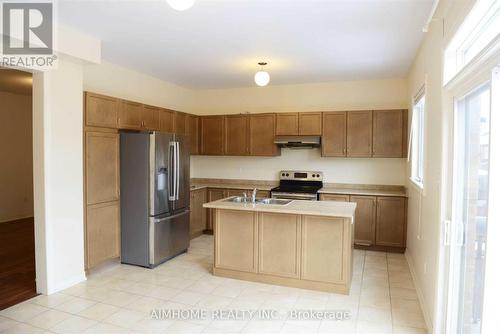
(179, 123)
(391, 221)
(388, 133)
(102, 167)
(236, 135)
(364, 221)
(151, 118)
(323, 249)
(212, 135)
(333, 197)
(101, 110)
(236, 240)
(261, 135)
(287, 124)
(198, 222)
(130, 116)
(310, 123)
(193, 133)
(213, 195)
(102, 232)
(279, 244)
(166, 120)
(359, 134)
(333, 138)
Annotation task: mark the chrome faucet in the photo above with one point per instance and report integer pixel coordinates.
(254, 195)
(245, 196)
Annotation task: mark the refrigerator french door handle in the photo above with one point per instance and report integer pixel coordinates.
(177, 169)
(172, 184)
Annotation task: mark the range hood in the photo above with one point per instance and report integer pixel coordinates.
(298, 141)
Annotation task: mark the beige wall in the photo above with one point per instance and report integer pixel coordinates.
(424, 207)
(117, 81)
(342, 95)
(16, 167)
(348, 95)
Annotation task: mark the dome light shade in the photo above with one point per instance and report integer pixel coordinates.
(181, 5)
(262, 78)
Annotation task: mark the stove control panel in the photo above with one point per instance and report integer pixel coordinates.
(301, 175)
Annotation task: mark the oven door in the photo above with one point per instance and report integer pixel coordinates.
(300, 196)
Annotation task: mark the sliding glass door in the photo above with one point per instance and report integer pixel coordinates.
(469, 221)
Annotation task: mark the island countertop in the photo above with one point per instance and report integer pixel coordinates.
(297, 207)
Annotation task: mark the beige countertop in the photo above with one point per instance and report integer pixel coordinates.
(359, 191)
(242, 186)
(297, 207)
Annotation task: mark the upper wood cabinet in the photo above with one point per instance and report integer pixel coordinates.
(364, 225)
(179, 123)
(359, 134)
(261, 135)
(151, 118)
(333, 140)
(212, 135)
(102, 167)
(193, 127)
(391, 221)
(236, 135)
(130, 115)
(101, 110)
(389, 133)
(166, 120)
(287, 124)
(310, 123)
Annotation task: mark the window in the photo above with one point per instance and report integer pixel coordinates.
(479, 29)
(417, 140)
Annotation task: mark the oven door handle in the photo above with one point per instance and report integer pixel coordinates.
(294, 196)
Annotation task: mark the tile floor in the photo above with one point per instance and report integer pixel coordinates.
(120, 300)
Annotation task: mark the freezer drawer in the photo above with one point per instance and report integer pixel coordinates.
(169, 236)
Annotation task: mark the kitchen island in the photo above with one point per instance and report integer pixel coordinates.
(303, 244)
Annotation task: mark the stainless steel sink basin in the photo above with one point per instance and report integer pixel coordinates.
(271, 201)
(237, 199)
(274, 201)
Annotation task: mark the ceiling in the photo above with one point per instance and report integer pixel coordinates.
(16, 82)
(217, 43)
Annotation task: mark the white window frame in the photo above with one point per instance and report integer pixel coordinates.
(477, 36)
(417, 140)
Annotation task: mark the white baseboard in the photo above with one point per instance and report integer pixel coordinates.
(66, 284)
(423, 306)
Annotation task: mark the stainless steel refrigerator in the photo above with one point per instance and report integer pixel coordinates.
(154, 195)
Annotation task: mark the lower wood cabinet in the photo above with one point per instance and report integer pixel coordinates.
(391, 213)
(198, 215)
(364, 230)
(213, 194)
(324, 243)
(331, 197)
(236, 233)
(312, 252)
(380, 222)
(279, 244)
(102, 233)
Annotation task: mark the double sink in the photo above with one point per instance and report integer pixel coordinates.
(269, 201)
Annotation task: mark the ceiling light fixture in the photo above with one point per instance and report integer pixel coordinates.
(181, 5)
(262, 78)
